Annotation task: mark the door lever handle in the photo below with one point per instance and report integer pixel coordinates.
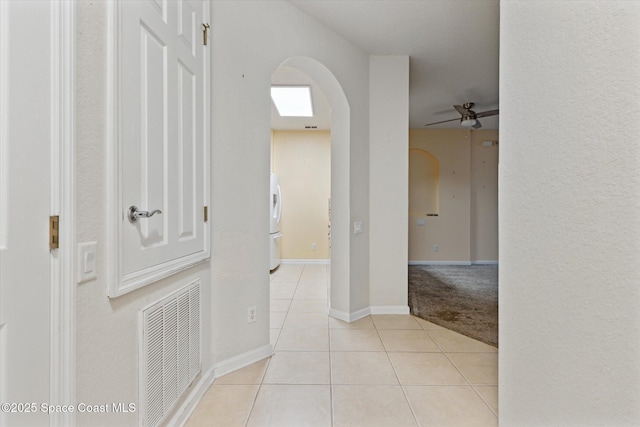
(134, 214)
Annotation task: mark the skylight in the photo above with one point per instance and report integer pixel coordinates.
(292, 101)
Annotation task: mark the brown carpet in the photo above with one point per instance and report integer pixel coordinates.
(461, 298)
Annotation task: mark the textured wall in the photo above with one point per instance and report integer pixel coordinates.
(569, 214)
(107, 329)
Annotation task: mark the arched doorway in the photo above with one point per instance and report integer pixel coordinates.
(339, 288)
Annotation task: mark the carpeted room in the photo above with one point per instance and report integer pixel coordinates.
(458, 297)
(453, 230)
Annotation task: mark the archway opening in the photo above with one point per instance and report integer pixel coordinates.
(337, 211)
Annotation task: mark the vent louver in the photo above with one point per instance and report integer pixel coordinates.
(170, 350)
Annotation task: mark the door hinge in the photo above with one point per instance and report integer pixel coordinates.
(206, 213)
(205, 31)
(54, 228)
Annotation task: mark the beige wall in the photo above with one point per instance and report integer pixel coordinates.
(302, 160)
(484, 196)
(466, 228)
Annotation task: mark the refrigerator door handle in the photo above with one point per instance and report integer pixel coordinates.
(279, 204)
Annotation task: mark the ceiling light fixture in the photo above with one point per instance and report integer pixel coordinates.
(292, 101)
(468, 121)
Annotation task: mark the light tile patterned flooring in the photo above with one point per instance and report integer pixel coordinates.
(383, 370)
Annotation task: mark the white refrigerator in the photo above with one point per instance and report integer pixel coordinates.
(275, 202)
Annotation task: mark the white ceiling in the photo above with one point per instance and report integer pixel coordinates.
(453, 47)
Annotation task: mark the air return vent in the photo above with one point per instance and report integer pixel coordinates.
(170, 352)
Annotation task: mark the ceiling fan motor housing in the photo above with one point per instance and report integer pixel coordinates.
(468, 117)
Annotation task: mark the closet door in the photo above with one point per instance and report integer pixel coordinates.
(162, 138)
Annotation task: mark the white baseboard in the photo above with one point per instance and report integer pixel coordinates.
(349, 317)
(440, 263)
(484, 262)
(304, 261)
(240, 361)
(182, 414)
(477, 262)
(340, 315)
(389, 309)
(359, 314)
(374, 309)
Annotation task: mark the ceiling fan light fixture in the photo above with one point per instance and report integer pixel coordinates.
(468, 117)
(467, 121)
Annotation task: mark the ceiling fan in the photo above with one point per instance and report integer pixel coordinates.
(468, 117)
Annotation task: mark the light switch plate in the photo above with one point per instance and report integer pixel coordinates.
(86, 261)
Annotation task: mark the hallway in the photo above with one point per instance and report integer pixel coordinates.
(382, 370)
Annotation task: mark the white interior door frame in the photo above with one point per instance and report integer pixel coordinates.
(59, 66)
(63, 280)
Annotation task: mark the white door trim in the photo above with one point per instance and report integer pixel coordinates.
(4, 137)
(63, 280)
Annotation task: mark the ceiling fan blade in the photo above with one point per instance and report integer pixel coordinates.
(443, 121)
(461, 109)
(488, 113)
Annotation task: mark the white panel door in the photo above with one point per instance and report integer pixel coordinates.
(163, 136)
(25, 205)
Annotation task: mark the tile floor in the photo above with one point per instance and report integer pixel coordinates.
(383, 370)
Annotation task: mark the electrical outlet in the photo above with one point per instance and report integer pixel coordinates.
(436, 248)
(251, 314)
(314, 246)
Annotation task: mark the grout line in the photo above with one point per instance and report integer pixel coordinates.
(483, 399)
(253, 404)
(330, 373)
(457, 369)
(450, 361)
(277, 338)
(413, 412)
(470, 384)
(289, 308)
(463, 375)
(404, 393)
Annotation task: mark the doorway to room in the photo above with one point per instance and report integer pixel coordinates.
(453, 230)
(301, 166)
(339, 288)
